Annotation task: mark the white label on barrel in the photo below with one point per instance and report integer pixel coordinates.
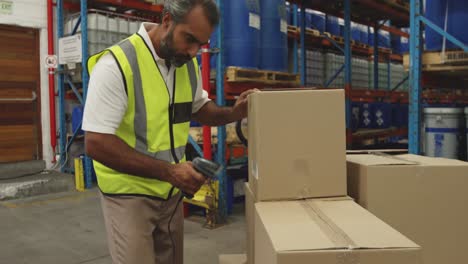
(254, 21)
(283, 26)
(404, 40)
(341, 21)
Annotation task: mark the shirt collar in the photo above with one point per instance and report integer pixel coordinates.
(144, 33)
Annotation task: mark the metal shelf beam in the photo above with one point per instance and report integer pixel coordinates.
(348, 59)
(415, 78)
(61, 94)
(303, 48)
(364, 11)
(415, 65)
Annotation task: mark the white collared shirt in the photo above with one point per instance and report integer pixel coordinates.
(106, 100)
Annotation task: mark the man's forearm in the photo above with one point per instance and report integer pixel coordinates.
(212, 115)
(116, 154)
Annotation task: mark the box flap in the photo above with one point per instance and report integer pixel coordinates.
(379, 160)
(318, 224)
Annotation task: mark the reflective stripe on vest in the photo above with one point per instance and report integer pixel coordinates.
(146, 126)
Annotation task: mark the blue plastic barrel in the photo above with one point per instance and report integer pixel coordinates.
(317, 20)
(341, 25)
(77, 117)
(443, 131)
(299, 18)
(456, 22)
(396, 44)
(355, 32)
(404, 46)
(364, 30)
(242, 33)
(332, 25)
(274, 36)
(384, 39)
(371, 36)
(308, 18)
(400, 44)
(289, 17)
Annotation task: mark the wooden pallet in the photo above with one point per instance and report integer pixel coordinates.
(338, 39)
(361, 45)
(327, 34)
(435, 61)
(309, 31)
(385, 50)
(237, 74)
(312, 32)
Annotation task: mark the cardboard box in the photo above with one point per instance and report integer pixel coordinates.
(250, 221)
(297, 145)
(424, 198)
(327, 231)
(232, 259)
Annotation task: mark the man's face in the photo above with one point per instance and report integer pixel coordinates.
(183, 40)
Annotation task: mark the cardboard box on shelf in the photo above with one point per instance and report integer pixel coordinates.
(297, 145)
(327, 231)
(424, 198)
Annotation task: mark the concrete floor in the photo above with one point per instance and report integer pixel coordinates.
(68, 228)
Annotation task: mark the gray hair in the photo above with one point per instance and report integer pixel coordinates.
(178, 9)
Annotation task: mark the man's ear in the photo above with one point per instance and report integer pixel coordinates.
(166, 20)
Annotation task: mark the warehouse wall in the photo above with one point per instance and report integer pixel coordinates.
(33, 14)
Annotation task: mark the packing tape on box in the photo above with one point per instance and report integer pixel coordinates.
(339, 238)
(381, 154)
(420, 169)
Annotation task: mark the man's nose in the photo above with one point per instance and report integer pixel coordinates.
(193, 50)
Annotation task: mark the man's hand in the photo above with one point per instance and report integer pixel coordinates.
(239, 110)
(212, 115)
(186, 178)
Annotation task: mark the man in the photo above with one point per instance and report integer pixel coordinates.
(142, 94)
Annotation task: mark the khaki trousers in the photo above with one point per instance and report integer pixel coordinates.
(137, 229)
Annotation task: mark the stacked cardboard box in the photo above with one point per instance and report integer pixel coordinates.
(424, 198)
(296, 205)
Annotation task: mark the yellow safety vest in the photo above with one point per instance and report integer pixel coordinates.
(153, 124)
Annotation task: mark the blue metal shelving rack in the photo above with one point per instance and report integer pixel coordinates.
(220, 100)
(417, 18)
(346, 50)
(63, 78)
